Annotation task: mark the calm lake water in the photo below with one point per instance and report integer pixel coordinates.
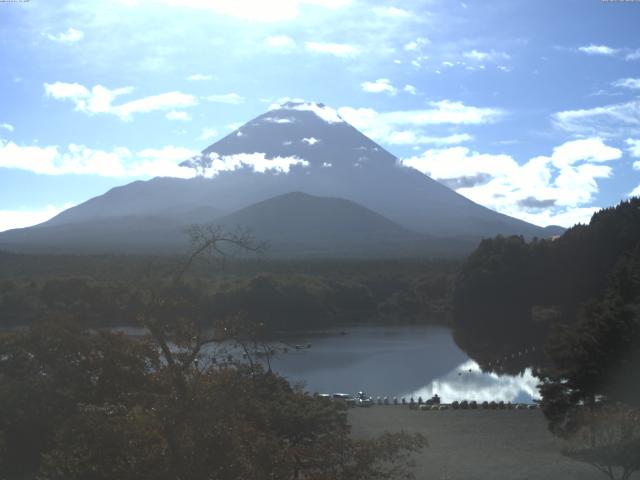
(393, 361)
(396, 361)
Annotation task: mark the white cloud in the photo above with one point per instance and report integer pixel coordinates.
(417, 44)
(278, 120)
(410, 89)
(609, 120)
(278, 103)
(405, 126)
(446, 111)
(160, 162)
(635, 192)
(343, 50)
(257, 10)
(633, 83)
(163, 101)
(75, 159)
(458, 162)
(213, 163)
(545, 190)
(208, 134)
(198, 77)
(310, 141)
(230, 98)
(70, 36)
(381, 85)
(260, 164)
(327, 114)
(635, 55)
(282, 43)
(177, 115)
(565, 217)
(100, 99)
(27, 217)
(598, 50)
(588, 150)
(634, 150)
(407, 137)
(6, 126)
(70, 91)
(490, 56)
(392, 12)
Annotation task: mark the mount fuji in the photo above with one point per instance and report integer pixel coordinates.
(301, 178)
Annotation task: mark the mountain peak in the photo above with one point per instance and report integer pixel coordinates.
(296, 134)
(322, 111)
(296, 103)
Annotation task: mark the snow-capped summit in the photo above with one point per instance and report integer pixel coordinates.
(305, 134)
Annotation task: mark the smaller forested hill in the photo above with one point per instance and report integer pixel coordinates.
(511, 293)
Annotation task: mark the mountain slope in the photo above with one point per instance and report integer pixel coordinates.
(126, 234)
(292, 224)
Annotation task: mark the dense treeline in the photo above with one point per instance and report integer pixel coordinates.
(282, 295)
(511, 293)
(597, 358)
(113, 267)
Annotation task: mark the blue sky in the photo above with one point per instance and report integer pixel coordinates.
(531, 108)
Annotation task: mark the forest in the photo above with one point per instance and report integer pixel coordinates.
(510, 292)
(106, 291)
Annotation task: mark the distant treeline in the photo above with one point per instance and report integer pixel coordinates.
(511, 293)
(106, 291)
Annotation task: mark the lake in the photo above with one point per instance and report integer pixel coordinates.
(393, 361)
(402, 361)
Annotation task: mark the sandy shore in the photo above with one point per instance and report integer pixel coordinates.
(477, 444)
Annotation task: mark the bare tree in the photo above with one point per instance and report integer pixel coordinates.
(168, 314)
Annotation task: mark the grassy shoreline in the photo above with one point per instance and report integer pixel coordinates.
(476, 444)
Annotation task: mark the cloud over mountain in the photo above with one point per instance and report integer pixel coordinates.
(99, 99)
(545, 189)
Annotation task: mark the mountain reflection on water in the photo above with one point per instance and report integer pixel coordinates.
(402, 361)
